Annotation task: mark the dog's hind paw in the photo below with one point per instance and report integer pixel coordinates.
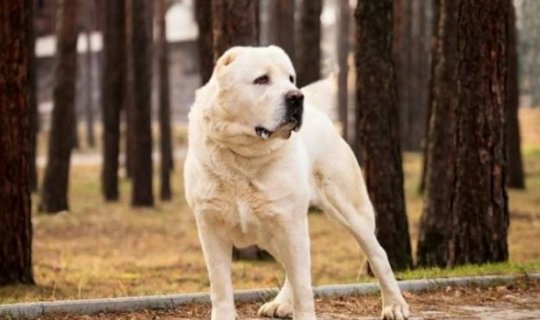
(276, 309)
(397, 311)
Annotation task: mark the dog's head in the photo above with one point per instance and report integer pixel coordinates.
(257, 90)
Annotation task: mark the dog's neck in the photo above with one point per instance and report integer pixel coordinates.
(240, 139)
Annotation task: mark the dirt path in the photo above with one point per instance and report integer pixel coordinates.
(518, 301)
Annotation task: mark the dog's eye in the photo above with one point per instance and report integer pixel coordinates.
(291, 79)
(264, 79)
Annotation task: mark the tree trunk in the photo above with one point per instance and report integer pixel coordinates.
(113, 87)
(129, 91)
(15, 144)
(32, 86)
(308, 59)
(377, 127)
(441, 146)
(54, 196)
(89, 103)
(412, 56)
(516, 177)
(164, 106)
(402, 51)
(343, 17)
(236, 23)
(282, 26)
(479, 204)
(203, 14)
(142, 194)
(434, 47)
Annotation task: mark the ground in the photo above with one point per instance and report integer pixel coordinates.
(517, 301)
(103, 249)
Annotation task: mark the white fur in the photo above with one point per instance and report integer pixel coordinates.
(248, 189)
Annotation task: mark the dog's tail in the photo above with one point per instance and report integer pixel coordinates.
(322, 95)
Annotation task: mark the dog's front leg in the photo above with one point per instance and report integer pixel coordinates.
(217, 253)
(292, 247)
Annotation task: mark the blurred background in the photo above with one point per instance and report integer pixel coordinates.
(111, 87)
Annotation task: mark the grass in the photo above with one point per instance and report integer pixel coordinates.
(103, 249)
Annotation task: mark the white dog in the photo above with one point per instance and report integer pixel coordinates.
(255, 156)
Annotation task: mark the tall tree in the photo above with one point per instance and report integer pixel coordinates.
(434, 47)
(164, 105)
(479, 203)
(203, 14)
(282, 26)
(412, 43)
(308, 58)
(441, 146)
(142, 194)
(466, 213)
(32, 85)
(54, 193)
(113, 93)
(88, 80)
(15, 145)
(236, 23)
(129, 91)
(516, 178)
(343, 17)
(377, 127)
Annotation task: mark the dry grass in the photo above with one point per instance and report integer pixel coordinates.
(109, 250)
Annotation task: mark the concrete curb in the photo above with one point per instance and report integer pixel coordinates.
(34, 309)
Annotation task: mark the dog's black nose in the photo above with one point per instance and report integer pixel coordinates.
(294, 99)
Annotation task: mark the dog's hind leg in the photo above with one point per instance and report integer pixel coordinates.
(343, 195)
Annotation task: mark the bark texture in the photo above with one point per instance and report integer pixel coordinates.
(516, 178)
(377, 127)
(142, 194)
(113, 94)
(54, 193)
(465, 219)
(479, 204)
(308, 59)
(165, 142)
(203, 14)
(15, 144)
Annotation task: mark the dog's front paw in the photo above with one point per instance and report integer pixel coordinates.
(276, 309)
(398, 310)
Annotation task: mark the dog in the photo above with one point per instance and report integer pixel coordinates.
(257, 153)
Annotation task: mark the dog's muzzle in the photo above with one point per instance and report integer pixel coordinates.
(294, 101)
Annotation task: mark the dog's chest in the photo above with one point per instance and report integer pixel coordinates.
(239, 202)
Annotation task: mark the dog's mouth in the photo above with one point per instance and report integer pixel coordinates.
(283, 130)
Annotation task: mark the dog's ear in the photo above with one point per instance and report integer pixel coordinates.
(227, 58)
